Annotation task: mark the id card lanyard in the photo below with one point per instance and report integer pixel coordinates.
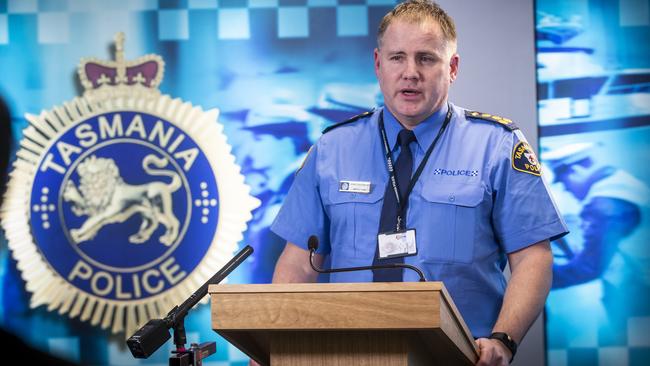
(402, 206)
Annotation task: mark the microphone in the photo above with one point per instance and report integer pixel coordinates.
(312, 244)
(145, 341)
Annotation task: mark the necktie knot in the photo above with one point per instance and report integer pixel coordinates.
(405, 137)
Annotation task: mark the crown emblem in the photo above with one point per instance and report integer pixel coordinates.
(100, 76)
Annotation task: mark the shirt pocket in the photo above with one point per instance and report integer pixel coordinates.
(450, 213)
(354, 220)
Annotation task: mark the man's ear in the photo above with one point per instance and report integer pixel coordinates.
(376, 59)
(453, 67)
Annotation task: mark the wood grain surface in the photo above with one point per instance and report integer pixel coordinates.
(344, 324)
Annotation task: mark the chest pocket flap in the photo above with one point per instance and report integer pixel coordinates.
(467, 195)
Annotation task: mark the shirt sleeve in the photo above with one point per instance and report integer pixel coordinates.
(524, 212)
(302, 214)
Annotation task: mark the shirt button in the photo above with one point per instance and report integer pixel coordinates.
(452, 198)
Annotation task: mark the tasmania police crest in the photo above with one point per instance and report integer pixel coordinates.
(124, 201)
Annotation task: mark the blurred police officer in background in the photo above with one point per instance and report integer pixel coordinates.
(610, 202)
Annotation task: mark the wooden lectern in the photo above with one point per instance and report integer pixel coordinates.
(405, 323)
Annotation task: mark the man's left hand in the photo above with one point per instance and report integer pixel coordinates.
(492, 353)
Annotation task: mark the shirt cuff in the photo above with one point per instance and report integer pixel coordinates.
(525, 238)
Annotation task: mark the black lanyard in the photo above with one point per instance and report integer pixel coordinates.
(401, 215)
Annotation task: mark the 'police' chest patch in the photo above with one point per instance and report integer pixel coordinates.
(524, 159)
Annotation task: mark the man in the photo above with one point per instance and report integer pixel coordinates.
(471, 195)
(611, 252)
(611, 201)
(283, 129)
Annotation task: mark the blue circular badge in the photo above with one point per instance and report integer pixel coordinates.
(124, 205)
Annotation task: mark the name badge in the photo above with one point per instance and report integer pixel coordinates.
(397, 244)
(354, 187)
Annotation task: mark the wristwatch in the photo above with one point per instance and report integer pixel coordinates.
(507, 341)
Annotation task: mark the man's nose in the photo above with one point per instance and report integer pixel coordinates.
(411, 71)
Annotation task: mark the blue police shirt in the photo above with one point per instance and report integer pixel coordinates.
(469, 207)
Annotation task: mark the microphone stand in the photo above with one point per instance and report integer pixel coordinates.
(155, 333)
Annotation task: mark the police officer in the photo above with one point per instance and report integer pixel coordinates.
(284, 129)
(472, 197)
(608, 253)
(610, 200)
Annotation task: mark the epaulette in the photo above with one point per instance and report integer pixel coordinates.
(349, 120)
(505, 122)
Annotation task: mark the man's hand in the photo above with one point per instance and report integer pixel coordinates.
(492, 353)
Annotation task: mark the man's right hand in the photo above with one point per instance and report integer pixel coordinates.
(492, 353)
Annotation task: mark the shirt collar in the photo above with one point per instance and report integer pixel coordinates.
(425, 132)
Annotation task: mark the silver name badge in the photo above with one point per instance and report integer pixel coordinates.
(354, 187)
(397, 244)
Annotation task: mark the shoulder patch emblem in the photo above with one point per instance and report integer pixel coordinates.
(506, 122)
(349, 120)
(524, 159)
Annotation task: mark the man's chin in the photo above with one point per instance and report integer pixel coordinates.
(411, 113)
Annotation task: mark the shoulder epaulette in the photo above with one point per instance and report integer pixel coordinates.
(505, 122)
(350, 120)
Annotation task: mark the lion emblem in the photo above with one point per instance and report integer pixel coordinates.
(105, 198)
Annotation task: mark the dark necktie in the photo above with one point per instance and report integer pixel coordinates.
(388, 220)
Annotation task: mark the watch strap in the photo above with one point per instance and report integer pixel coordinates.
(507, 341)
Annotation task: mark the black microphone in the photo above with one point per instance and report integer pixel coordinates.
(312, 244)
(145, 341)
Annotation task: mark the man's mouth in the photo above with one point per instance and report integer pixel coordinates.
(410, 92)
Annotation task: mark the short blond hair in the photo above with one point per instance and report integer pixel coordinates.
(419, 11)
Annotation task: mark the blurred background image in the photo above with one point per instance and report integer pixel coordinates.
(593, 68)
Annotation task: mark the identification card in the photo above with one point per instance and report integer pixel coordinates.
(354, 186)
(397, 244)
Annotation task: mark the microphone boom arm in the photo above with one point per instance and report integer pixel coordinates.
(364, 268)
(179, 312)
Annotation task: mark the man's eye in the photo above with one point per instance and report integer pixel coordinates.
(396, 57)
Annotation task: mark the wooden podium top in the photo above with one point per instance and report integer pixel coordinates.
(244, 314)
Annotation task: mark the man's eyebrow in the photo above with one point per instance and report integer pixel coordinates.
(427, 53)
